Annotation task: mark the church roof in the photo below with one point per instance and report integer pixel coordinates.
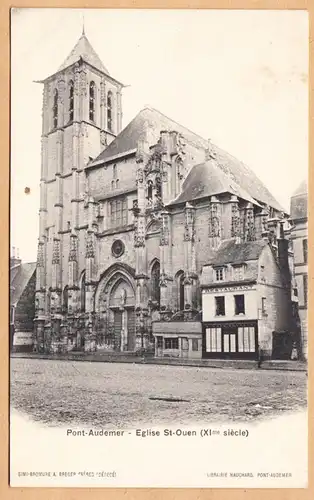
(207, 179)
(19, 280)
(230, 252)
(298, 202)
(154, 122)
(84, 50)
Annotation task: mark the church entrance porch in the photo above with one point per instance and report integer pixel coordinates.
(115, 310)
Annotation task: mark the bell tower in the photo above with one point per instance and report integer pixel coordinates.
(81, 116)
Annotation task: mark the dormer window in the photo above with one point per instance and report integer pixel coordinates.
(219, 274)
(238, 272)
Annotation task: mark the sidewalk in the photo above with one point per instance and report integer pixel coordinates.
(105, 357)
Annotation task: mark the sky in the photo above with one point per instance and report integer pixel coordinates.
(239, 78)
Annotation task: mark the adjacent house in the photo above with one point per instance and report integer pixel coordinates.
(22, 304)
(299, 237)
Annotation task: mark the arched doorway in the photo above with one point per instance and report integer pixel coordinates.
(115, 308)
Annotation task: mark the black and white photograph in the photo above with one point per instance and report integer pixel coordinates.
(159, 248)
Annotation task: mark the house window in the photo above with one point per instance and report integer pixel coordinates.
(155, 282)
(12, 311)
(305, 291)
(71, 101)
(92, 101)
(263, 305)
(109, 110)
(180, 290)
(118, 212)
(55, 109)
(239, 307)
(220, 306)
(213, 339)
(246, 339)
(304, 244)
(219, 274)
(172, 343)
(238, 273)
(194, 344)
(160, 342)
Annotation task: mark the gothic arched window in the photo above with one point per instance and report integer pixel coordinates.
(71, 101)
(92, 101)
(149, 190)
(65, 298)
(109, 110)
(155, 282)
(83, 292)
(180, 290)
(55, 109)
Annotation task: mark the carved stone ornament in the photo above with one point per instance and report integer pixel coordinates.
(40, 254)
(90, 251)
(139, 176)
(56, 251)
(103, 138)
(73, 248)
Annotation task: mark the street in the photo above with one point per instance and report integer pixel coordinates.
(123, 395)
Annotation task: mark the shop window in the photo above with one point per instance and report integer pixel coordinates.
(239, 307)
(194, 344)
(220, 306)
(246, 339)
(219, 274)
(213, 339)
(172, 343)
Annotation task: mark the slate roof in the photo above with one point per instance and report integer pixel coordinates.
(154, 122)
(299, 201)
(84, 50)
(207, 179)
(20, 279)
(230, 252)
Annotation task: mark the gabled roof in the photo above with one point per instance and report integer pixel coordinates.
(230, 252)
(19, 281)
(152, 121)
(299, 201)
(84, 50)
(207, 179)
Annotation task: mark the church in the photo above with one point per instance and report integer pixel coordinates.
(129, 218)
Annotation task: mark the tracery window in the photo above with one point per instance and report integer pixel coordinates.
(83, 291)
(109, 110)
(71, 101)
(92, 101)
(55, 109)
(155, 282)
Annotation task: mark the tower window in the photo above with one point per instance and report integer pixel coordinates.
(109, 110)
(149, 190)
(71, 101)
(92, 101)
(304, 245)
(83, 291)
(55, 109)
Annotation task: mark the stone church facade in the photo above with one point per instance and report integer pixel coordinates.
(129, 217)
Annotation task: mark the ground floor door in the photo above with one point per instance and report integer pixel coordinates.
(236, 340)
(117, 327)
(131, 329)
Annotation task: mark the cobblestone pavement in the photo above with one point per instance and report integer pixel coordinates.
(123, 395)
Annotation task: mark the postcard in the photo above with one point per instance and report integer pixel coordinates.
(159, 260)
